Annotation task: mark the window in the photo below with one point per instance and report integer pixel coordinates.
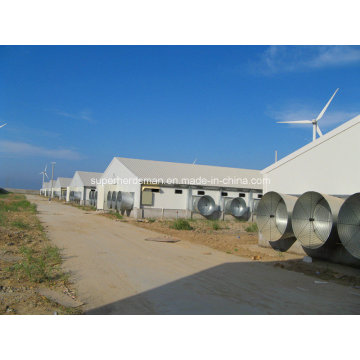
(147, 198)
(241, 195)
(224, 193)
(178, 191)
(259, 196)
(201, 192)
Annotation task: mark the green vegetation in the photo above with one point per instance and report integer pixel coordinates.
(20, 225)
(181, 224)
(151, 220)
(18, 203)
(116, 215)
(252, 228)
(38, 267)
(215, 225)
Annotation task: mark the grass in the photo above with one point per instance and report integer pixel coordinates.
(181, 224)
(18, 204)
(252, 228)
(19, 224)
(40, 266)
(116, 215)
(151, 220)
(15, 203)
(215, 225)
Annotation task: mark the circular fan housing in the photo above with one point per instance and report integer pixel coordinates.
(349, 225)
(273, 216)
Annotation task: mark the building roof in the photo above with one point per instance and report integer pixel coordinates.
(340, 129)
(87, 177)
(63, 182)
(180, 173)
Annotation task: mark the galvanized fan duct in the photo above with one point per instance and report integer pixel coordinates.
(314, 219)
(124, 201)
(113, 200)
(273, 216)
(236, 207)
(349, 225)
(108, 200)
(204, 205)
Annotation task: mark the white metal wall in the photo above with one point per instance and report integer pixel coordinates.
(332, 167)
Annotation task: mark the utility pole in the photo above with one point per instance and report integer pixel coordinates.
(52, 178)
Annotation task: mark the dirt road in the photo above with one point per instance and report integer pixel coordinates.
(116, 271)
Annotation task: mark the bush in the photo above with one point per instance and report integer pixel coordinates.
(252, 228)
(181, 224)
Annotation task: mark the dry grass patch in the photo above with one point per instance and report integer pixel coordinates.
(27, 261)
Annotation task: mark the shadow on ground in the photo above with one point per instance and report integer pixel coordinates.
(241, 288)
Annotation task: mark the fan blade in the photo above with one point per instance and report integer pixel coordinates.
(3, 125)
(295, 122)
(319, 131)
(326, 106)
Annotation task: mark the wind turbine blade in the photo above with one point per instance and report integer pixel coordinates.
(295, 122)
(46, 175)
(319, 131)
(3, 125)
(326, 106)
(45, 167)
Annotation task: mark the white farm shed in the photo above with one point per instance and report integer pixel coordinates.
(81, 185)
(45, 190)
(166, 189)
(60, 187)
(328, 165)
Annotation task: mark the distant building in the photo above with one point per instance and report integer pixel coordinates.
(81, 185)
(60, 187)
(166, 189)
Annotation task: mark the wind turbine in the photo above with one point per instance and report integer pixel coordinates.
(314, 122)
(43, 173)
(3, 125)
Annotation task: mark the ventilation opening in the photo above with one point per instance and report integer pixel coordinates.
(224, 193)
(241, 195)
(260, 196)
(155, 190)
(201, 192)
(177, 191)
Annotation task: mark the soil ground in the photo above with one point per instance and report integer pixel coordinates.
(119, 268)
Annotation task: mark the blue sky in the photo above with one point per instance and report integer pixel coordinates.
(82, 105)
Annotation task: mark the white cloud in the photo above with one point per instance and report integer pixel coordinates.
(277, 59)
(24, 149)
(82, 115)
